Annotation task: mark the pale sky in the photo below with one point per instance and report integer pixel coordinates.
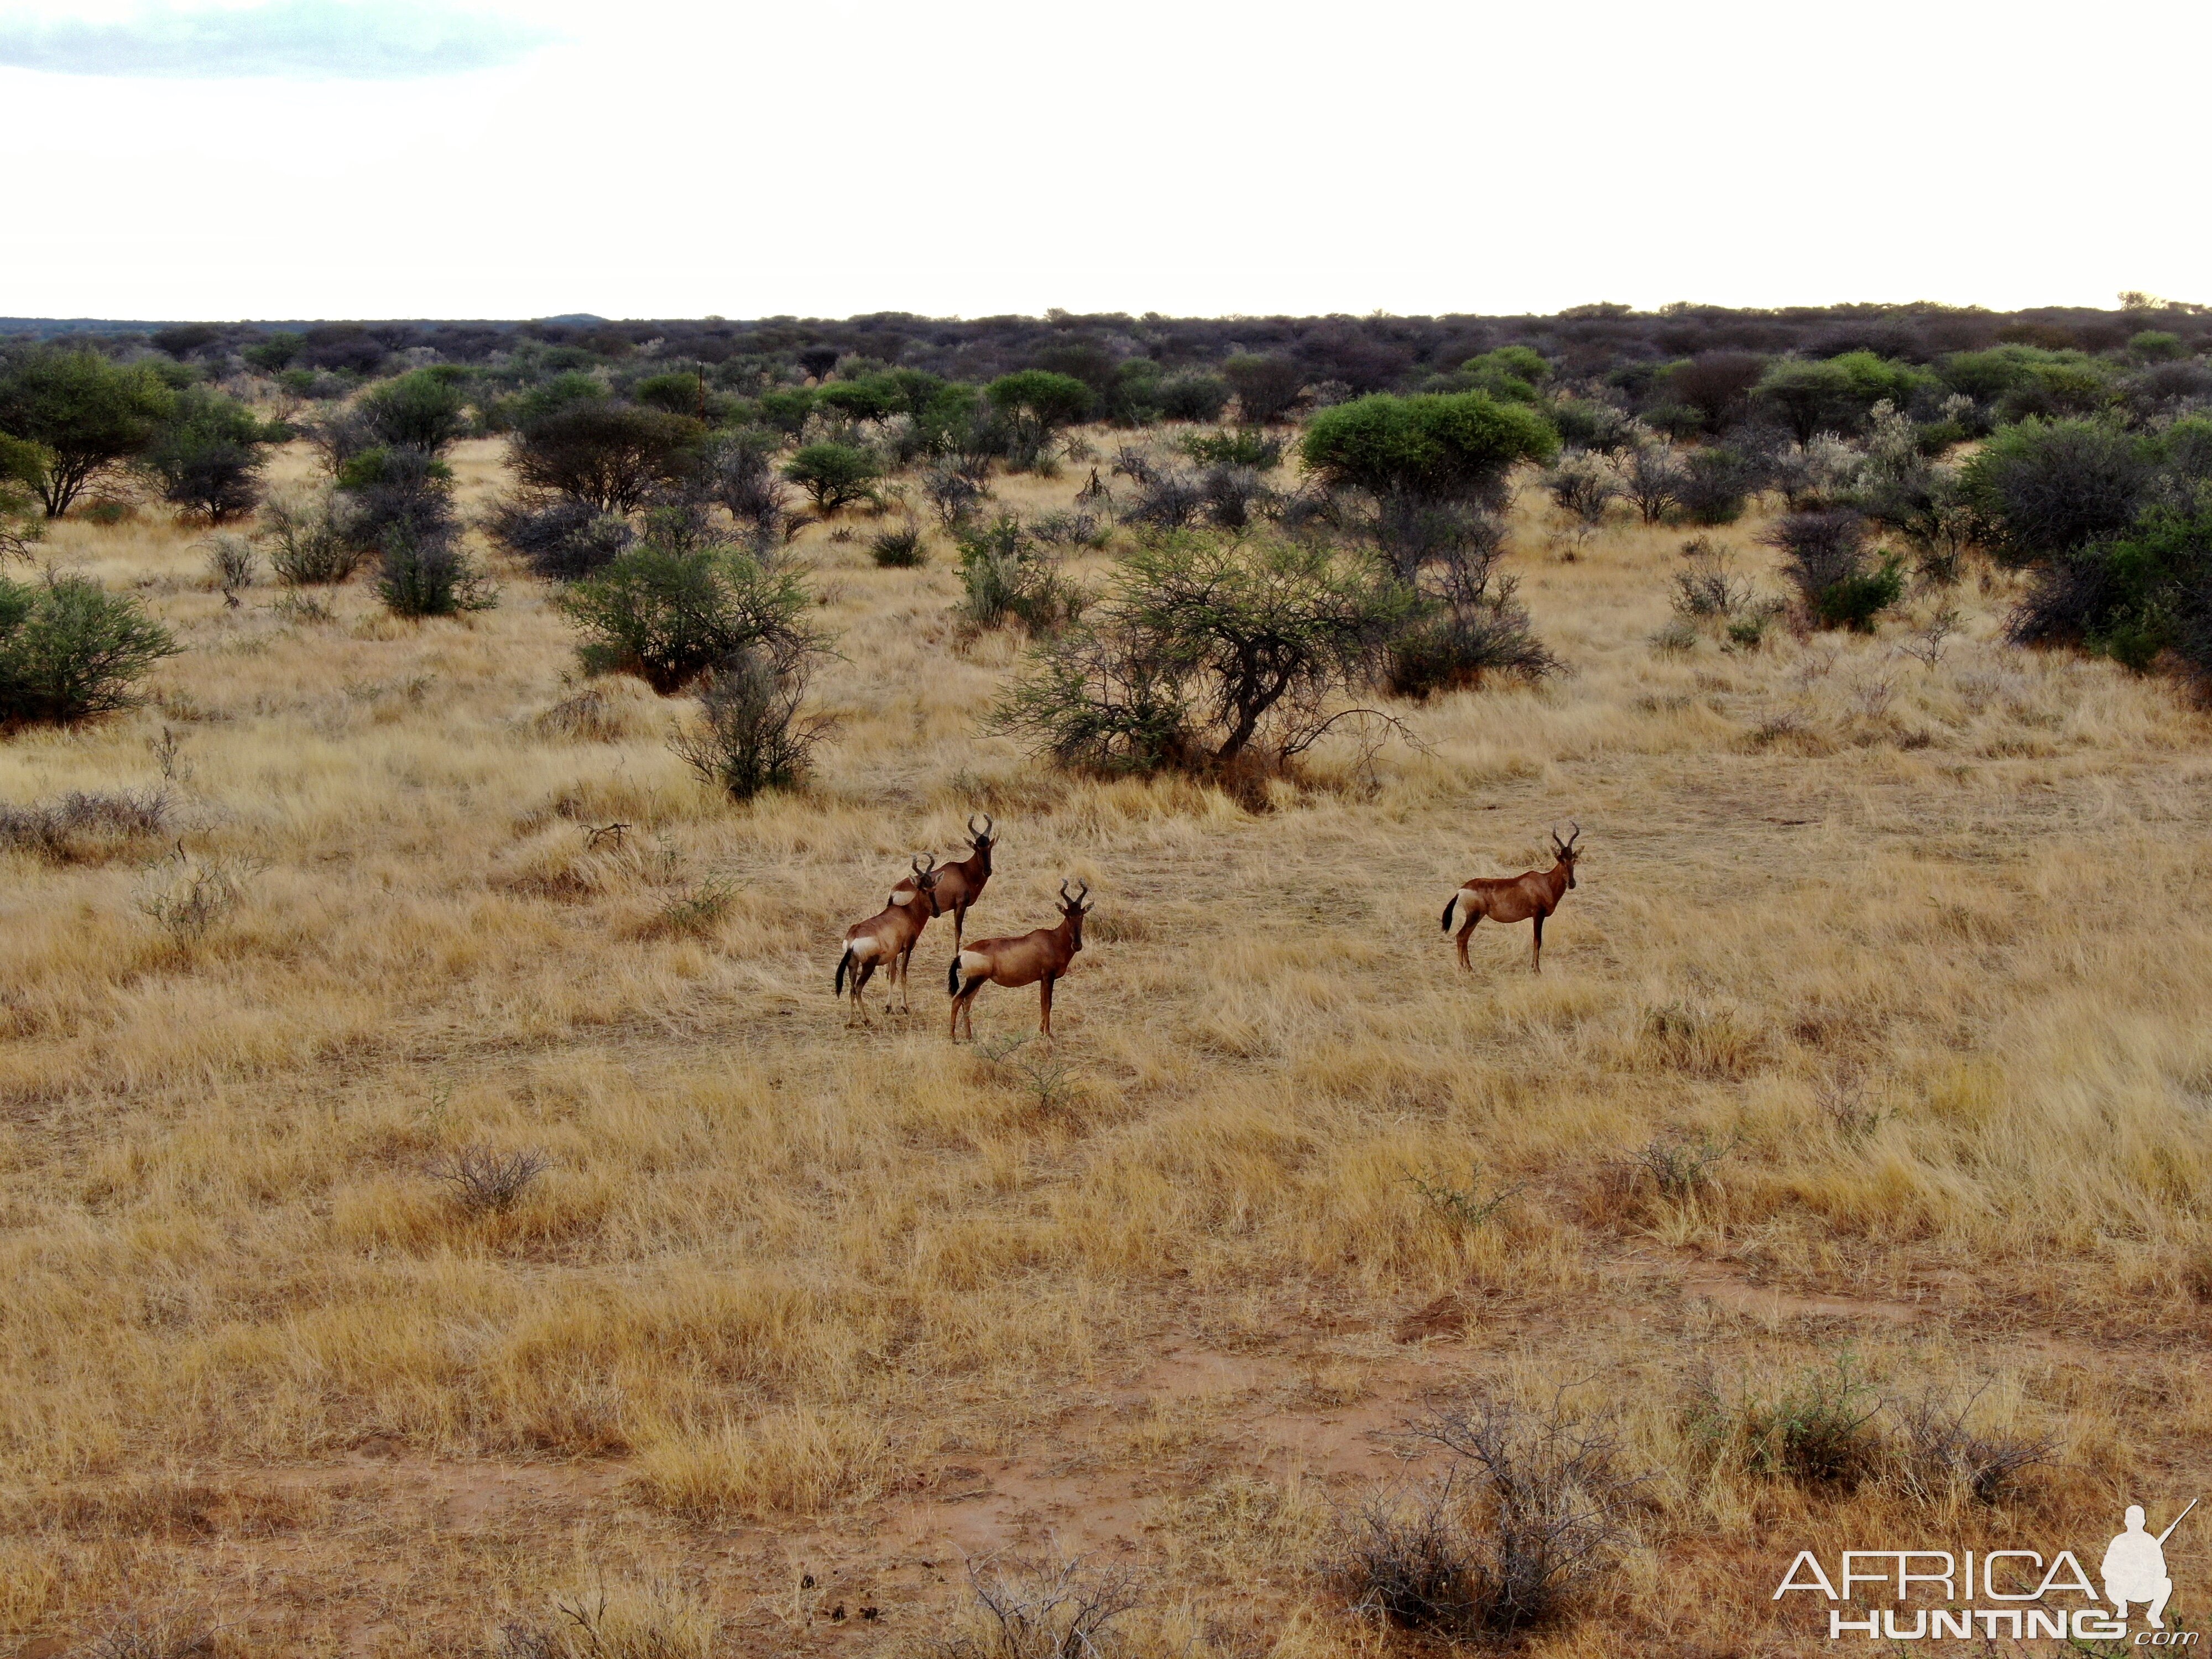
(349, 158)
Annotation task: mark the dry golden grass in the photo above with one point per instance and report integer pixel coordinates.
(1923, 952)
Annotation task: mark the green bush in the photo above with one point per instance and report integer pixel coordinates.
(612, 455)
(1452, 647)
(1856, 601)
(1005, 576)
(2044, 487)
(1241, 446)
(208, 455)
(1193, 396)
(834, 475)
(667, 616)
(1035, 403)
(430, 575)
(310, 547)
(785, 409)
(900, 548)
(1448, 448)
(424, 409)
(70, 649)
(1205, 649)
(274, 353)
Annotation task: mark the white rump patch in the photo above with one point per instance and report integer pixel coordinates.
(974, 961)
(866, 950)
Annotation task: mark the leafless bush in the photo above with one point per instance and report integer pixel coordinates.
(187, 896)
(1707, 585)
(486, 1182)
(1679, 1166)
(561, 537)
(1070, 529)
(59, 829)
(1135, 462)
(1820, 549)
(1051, 1610)
(741, 474)
(1651, 478)
(1045, 1074)
(953, 493)
(311, 548)
(1167, 499)
(232, 565)
(1529, 1507)
(156, 1639)
(1926, 647)
(751, 736)
(1583, 485)
(1939, 1455)
(587, 716)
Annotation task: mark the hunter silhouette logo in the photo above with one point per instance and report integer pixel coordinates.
(2135, 1567)
(2028, 1591)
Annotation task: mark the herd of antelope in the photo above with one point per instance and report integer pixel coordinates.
(1043, 956)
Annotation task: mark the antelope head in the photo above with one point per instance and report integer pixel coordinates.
(983, 840)
(1075, 909)
(1564, 850)
(925, 880)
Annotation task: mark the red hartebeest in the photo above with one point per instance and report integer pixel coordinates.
(886, 940)
(1529, 896)
(959, 886)
(1037, 958)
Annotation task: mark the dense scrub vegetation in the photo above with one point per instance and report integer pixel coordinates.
(2076, 444)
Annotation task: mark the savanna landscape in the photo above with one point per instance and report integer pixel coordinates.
(449, 1210)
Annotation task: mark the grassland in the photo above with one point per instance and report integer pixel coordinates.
(1914, 958)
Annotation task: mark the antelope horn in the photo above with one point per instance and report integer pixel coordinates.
(1083, 890)
(988, 823)
(1063, 889)
(918, 871)
(1577, 836)
(971, 825)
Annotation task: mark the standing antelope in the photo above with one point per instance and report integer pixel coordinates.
(886, 940)
(1039, 957)
(959, 886)
(1529, 896)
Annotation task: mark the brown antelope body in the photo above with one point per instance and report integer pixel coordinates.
(959, 886)
(1530, 896)
(1037, 958)
(886, 940)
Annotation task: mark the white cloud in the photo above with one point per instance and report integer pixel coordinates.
(309, 39)
(669, 158)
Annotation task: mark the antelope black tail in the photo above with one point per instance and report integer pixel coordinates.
(1449, 902)
(837, 985)
(952, 978)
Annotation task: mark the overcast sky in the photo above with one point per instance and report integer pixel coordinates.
(323, 158)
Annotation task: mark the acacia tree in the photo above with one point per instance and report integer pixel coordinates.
(1205, 649)
(833, 474)
(21, 466)
(209, 455)
(86, 413)
(1035, 403)
(1422, 471)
